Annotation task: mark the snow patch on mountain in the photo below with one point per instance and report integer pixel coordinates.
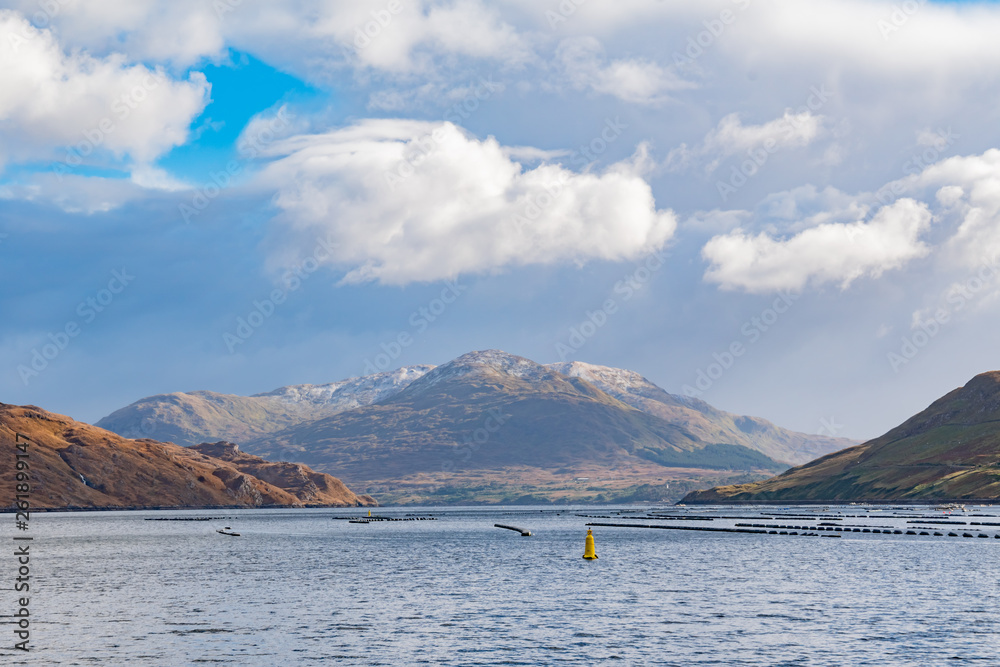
(609, 380)
(350, 393)
(484, 362)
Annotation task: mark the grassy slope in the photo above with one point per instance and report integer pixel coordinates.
(949, 451)
(709, 423)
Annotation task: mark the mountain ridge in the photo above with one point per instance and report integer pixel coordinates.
(489, 427)
(948, 451)
(705, 421)
(192, 417)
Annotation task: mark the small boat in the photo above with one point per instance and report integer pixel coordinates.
(227, 531)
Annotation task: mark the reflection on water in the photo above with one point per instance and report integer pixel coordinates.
(301, 588)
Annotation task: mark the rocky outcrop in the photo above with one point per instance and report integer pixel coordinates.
(306, 484)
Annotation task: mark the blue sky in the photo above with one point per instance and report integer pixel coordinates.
(788, 208)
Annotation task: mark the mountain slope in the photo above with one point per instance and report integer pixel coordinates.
(203, 416)
(491, 410)
(701, 419)
(72, 464)
(950, 451)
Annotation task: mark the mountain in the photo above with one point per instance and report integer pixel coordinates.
(202, 416)
(950, 451)
(487, 412)
(701, 419)
(72, 464)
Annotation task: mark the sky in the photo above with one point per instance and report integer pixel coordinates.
(787, 209)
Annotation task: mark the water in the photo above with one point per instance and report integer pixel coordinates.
(300, 588)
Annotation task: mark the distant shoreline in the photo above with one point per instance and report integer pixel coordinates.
(742, 503)
(908, 501)
(135, 508)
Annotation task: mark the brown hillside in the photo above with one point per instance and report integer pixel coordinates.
(73, 464)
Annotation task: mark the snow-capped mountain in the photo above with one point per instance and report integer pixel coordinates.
(190, 418)
(482, 363)
(204, 416)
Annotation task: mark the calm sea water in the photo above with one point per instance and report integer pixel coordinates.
(300, 588)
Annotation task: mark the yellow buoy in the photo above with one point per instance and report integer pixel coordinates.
(588, 550)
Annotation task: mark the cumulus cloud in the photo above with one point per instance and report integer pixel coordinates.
(969, 188)
(74, 107)
(179, 31)
(631, 80)
(404, 201)
(310, 37)
(409, 40)
(835, 252)
(819, 236)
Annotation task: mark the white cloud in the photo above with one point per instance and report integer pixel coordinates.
(936, 139)
(78, 194)
(412, 201)
(808, 206)
(630, 80)
(833, 252)
(969, 187)
(731, 136)
(789, 131)
(717, 221)
(310, 37)
(74, 107)
(407, 41)
(181, 32)
(154, 178)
